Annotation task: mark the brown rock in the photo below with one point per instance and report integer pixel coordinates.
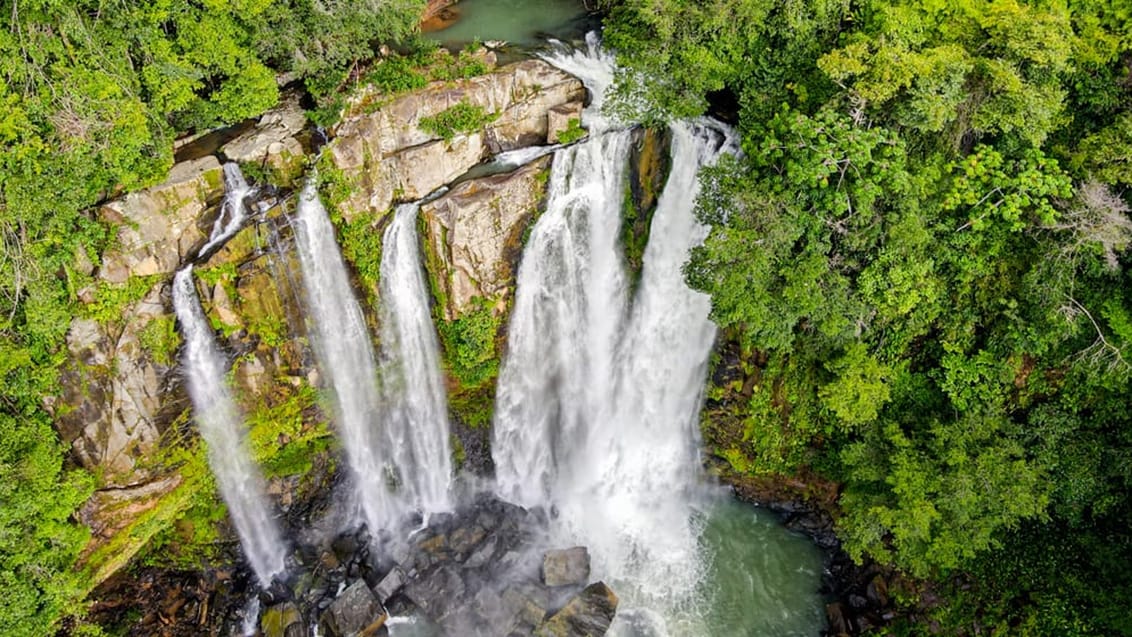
(389, 158)
(474, 234)
(158, 227)
(587, 614)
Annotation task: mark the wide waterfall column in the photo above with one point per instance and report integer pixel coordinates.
(221, 427)
(637, 497)
(345, 353)
(415, 409)
(568, 312)
(569, 303)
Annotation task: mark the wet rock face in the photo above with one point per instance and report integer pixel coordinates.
(475, 232)
(587, 614)
(283, 620)
(389, 158)
(564, 567)
(355, 612)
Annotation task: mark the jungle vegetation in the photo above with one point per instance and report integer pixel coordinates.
(924, 246)
(92, 94)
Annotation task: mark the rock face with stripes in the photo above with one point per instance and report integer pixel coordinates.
(387, 157)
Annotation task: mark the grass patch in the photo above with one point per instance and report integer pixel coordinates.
(573, 132)
(112, 299)
(160, 338)
(461, 118)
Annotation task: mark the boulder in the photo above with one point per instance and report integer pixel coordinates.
(157, 228)
(587, 614)
(355, 612)
(282, 620)
(474, 235)
(273, 141)
(390, 585)
(387, 157)
(558, 119)
(437, 592)
(562, 567)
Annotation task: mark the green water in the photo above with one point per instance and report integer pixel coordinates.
(514, 21)
(760, 580)
(763, 579)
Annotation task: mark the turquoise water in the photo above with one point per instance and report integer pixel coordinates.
(514, 21)
(763, 579)
(760, 580)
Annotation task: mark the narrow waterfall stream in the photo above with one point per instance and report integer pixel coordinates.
(342, 343)
(396, 436)
(414, 406)
(233, 210)
(221, 427)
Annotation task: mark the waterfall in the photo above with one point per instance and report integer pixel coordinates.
(396, 440)
(598, 397)
(233, 210)
(569, 306)
(342, 343)
(216, 414)
(415, 409)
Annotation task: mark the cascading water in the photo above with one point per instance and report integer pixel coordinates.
(342, 343)
(569, 305)
(396, 440)
(415, 410)
(216, 414)
(233, 210)
(598, 397)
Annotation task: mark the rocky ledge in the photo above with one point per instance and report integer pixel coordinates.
(484, 570)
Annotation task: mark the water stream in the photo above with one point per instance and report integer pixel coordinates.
(221, 427)
(415, 409)
(598, 399)
(395, 435)
(343, 345)
(233, 210)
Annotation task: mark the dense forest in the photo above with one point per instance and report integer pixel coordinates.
(922, 252)
(93, 94)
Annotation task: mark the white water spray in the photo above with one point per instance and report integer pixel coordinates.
(596, 410)
(233, 210)
(415, 409)
(237, 477)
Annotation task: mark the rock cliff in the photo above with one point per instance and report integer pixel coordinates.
(123, 410)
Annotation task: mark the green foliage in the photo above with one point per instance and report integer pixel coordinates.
(361, 245)
(462, 118)
(39, 543)
(469, 344)
(111, 300)
(923, 257)
(282, 433)
(573, 132)
(91, 96)
(160, 338)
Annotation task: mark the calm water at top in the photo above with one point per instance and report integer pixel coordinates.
(515, 21)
